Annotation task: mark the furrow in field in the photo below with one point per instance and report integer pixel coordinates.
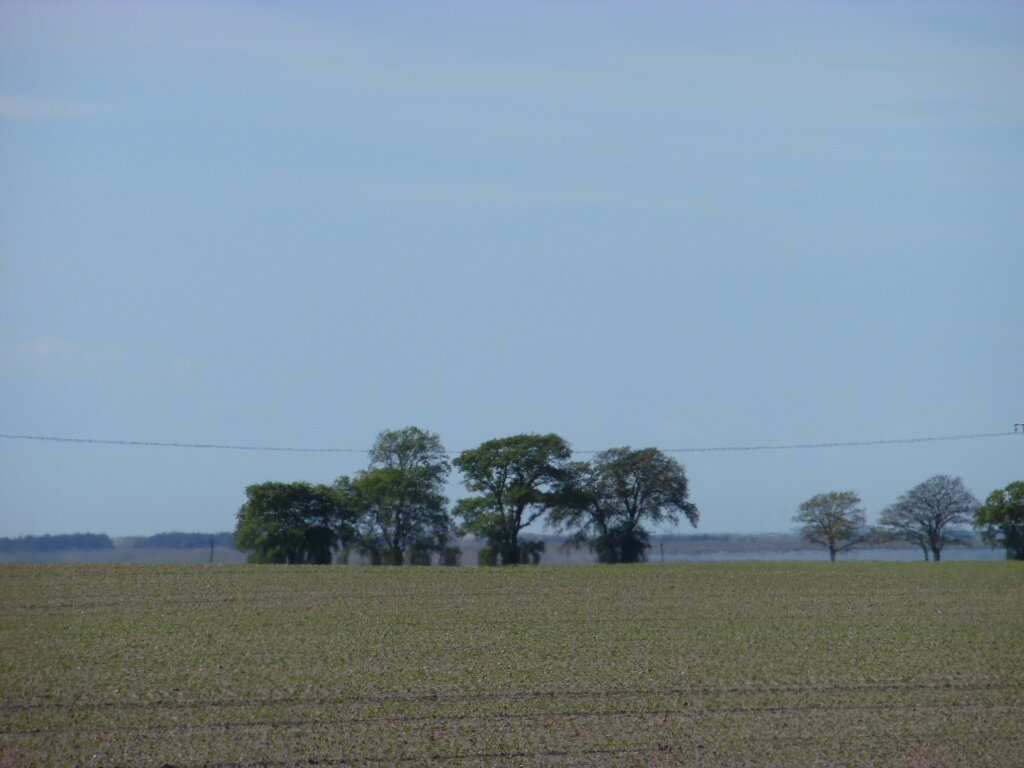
(173, 699)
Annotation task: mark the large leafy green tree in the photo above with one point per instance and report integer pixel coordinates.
(516, 479)
(400, 498)
(292, 523)
(925, 515)
(608, 502)
(1001, 520)
(833, 519)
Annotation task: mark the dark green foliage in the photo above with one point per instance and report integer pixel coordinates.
(48, 543)
(450, 556)
(399, 499)
(620, 545)
(517, 480)
(530, 551)
(925, 514)
(605, 503)
(1001, 520)
(292, 523)
(393, 513)
(419, 554)
(834, 520)
(487, 556)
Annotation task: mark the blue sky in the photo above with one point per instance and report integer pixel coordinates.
(647, 223)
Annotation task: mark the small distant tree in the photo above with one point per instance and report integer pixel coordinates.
(927, 513)
(516, 479)
(833, 519)
(608, 502)
(1001, 520)
(292, 523)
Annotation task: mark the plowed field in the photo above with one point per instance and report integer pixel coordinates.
(761, 664)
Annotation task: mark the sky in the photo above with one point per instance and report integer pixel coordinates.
(680, 225)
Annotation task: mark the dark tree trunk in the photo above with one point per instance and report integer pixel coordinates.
(510, 553)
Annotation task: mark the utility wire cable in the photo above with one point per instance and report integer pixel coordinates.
(847, 444)
(153, 444)
(718, 449)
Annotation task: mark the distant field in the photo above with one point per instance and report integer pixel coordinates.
(767, 664)
(669, 548)
(121, 553)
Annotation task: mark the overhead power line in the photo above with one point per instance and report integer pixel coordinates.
(715, 449)
(154, 444)
(846, 444)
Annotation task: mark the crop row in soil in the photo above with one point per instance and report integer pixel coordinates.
(745, 664)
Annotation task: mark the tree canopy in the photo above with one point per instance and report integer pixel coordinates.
(1001, 519)
(925, 514)
(395, 511)
(833, 519)
(516, 479)
(607, 501)
(400, 498)
(292, 523)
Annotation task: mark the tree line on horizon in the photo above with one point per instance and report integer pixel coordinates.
(394, 512)
(88, 541)
(55, 542)
(928, 516)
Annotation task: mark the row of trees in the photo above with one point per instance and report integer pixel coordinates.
(395, 512)
(48, 543)
(927, 515)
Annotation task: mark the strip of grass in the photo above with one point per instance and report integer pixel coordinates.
(711, 664)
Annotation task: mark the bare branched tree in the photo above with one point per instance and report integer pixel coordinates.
(926, 513)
